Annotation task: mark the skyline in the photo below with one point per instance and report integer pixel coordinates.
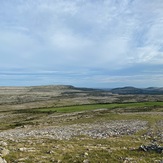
(85, 43)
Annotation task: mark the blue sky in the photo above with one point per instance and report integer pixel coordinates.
(85, 43)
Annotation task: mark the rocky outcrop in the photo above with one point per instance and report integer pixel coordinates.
(151, 147)
(2, 160)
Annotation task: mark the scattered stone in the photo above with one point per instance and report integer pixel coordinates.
(23, 149)
(86, 161)
(128, 160)
(85, 154)
(151, 147)
(50, 152)
(22, 159)
(95, 130)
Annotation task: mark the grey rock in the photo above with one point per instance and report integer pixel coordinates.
(4, 152)
(86, 161)
(23, 149)
(151, 147)
(2, 160)
(2, 143)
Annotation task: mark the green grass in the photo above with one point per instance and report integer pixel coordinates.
(113, 150)
(145, 106)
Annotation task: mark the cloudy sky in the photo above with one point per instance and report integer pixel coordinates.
(86, 43)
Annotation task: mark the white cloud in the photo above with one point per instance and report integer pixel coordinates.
(149, 55)
(69, 41)
(81, 34)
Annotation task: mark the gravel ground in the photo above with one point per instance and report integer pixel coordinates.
(95, 130)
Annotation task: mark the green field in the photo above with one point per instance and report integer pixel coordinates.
(144, 106)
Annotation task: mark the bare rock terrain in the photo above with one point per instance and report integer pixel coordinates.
(95, 130)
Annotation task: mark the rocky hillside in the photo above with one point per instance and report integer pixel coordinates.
(66, 95)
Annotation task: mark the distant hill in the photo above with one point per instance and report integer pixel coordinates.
(52, 92)
(133, 90)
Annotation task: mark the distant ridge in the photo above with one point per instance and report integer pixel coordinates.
(133, 90)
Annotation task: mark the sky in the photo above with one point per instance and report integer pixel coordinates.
(84, 43)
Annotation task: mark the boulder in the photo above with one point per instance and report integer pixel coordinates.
(151, 147)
